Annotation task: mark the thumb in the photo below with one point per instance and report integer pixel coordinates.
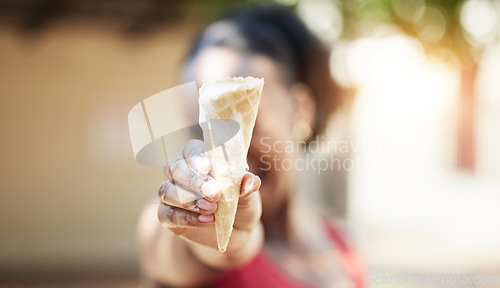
(249, 204)
(249, 185)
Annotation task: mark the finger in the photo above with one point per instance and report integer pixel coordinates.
(173, 217)
(250, 203)
(196, 157)
(178, 196)
(183, 175)
(249, 184)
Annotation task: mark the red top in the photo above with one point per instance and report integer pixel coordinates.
(263, 272)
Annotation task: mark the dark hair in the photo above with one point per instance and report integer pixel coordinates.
(277, 33)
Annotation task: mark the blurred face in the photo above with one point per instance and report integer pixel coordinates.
(274, 121)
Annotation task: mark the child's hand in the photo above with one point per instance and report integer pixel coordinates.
(189, 199)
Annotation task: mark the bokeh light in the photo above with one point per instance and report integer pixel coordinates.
(480, 19)
(323, 17)
(430, 23)
(406, 10)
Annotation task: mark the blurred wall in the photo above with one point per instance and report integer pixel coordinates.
(71, 191)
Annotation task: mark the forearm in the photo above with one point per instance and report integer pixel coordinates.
(165, 258)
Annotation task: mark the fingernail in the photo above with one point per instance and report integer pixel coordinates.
(249, 186)
(161, 191)
(205, 205)
(210, 189)
(202, 164)
(206, 218)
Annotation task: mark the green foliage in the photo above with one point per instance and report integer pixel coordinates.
(362, 16)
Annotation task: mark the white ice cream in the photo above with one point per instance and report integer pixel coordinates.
(213, 90)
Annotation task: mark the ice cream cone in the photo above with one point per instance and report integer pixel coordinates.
(229, 99)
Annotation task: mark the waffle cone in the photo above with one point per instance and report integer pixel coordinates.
(234, 99)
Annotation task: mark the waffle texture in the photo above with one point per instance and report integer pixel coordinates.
(229, 99)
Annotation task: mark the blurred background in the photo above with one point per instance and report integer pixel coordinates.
(419, 184)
